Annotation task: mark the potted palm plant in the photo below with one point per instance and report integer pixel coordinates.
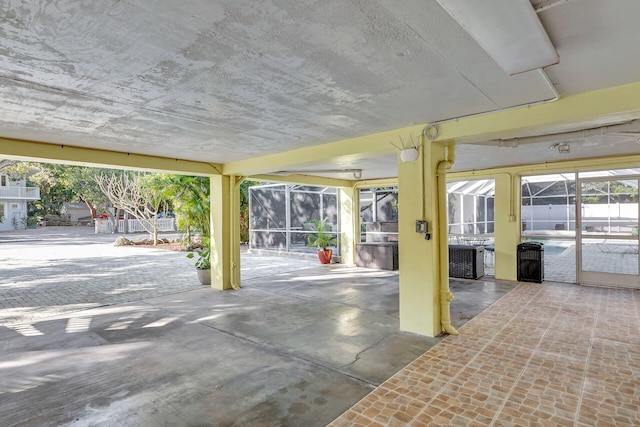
(203, 263)
(321, 239)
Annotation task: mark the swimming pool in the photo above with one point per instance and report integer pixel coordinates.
(554, 247)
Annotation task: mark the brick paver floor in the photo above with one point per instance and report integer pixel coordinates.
(549, 355)
(56, 270)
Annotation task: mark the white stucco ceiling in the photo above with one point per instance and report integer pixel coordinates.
(222, 81)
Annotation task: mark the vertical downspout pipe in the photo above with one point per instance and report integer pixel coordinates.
(234, 195)
(446, 296)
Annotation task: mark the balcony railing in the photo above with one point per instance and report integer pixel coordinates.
(21, 193)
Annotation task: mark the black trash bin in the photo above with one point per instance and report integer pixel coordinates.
(531, 262)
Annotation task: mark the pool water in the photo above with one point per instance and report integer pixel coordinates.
(555, 247)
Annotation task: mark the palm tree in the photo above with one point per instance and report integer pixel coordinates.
(189, 198)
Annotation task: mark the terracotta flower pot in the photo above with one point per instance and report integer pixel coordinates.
(325, 256)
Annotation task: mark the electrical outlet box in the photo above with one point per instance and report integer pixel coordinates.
(421, 226)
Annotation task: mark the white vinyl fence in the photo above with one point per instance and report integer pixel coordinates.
(104, 226)
(615, 217)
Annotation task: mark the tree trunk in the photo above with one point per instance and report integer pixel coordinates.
(154, 224)
(114, 221)
(91, 209)
(126, 222)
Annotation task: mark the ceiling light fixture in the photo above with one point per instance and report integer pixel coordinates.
(508, 30)
(409, 152)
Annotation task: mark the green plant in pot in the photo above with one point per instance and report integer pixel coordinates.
(321, 239)
(203, 262)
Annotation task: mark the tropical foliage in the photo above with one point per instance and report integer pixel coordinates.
(322, 237)
(188, 197)
(203, 262)
(59, 184)
(148, 194)
(244, 209)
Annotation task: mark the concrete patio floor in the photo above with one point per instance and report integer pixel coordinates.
(298, 345)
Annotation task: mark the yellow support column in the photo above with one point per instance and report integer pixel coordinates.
(225, 249)
(507, 225)
(349, 223)
(420, 267)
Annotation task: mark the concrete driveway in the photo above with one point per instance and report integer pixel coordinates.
(137, 342)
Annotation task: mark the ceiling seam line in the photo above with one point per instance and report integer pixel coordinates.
(451, 65)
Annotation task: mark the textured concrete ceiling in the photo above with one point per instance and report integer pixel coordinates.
(222, 81)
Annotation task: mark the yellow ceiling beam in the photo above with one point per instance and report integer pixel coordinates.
(565, 166)
(591, 109)
(56, 153)
(586, 110)
(318, 181)
(581, 111)
(376, 183)
(358, 148)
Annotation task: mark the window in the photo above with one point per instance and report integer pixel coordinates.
(1, 212)
(3, 180)
(15, 206)
(471, 209)
(379, 214)
(548, 203)
(282, 215)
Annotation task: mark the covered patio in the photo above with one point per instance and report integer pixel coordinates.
(298, 345)
(349, 95)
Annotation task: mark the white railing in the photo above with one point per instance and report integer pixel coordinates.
(27, 193)
(104, 226)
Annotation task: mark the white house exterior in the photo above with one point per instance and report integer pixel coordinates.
(14, 195)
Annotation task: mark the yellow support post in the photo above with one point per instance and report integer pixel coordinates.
(506, 225)
(221, 231)
(349, 223)
(420, 269)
